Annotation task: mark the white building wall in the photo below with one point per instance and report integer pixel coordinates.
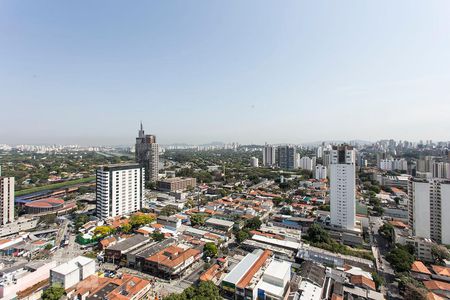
(445, 210)
(268, 156)
(320, 172)
(342, 195)
(119, 191)
(6, 200)
(66, 280)
(421, 209)
(87, 269)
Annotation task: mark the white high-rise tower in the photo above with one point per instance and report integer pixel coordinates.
(342, 187)
(269, 156)
(119, 190)
(6, 200)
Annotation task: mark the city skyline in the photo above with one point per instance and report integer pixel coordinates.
(247, 72)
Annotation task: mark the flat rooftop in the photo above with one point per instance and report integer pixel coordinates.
(175, 179)
(129, 243)
(219, 222)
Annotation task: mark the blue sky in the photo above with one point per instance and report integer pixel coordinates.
(249, 71)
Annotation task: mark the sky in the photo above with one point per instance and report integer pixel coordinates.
(87, 72)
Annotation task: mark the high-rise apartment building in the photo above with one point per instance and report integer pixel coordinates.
(147, 155)
(342, 186)
(269, 156)
(6, 200)
(429, 209)
(307, 163)
(254, 162)
(441, 170)
(320, 172)
(287, 157)
(119, 190)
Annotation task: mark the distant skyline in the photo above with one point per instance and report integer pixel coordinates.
(84, 72)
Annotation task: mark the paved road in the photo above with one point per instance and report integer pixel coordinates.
(381, 249)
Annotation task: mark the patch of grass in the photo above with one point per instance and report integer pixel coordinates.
(361, 209)
(54, 186)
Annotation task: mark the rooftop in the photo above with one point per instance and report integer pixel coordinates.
(72, 265)
(129, 243)
(419, 267)
(173, 256)
(245, 264)
(219, 222)
(254, 268)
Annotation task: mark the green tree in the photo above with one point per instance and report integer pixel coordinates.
(440, 253)
(126, 228)
(414, 292)
(158, 236)
(241, 236)
(379, 280)
(80, 220)
(210, 250)
(316, 234)
(169, 210)
(206, 290)
(400, 259)
(138, 220)
(197, 219)
(253, 224)
(387, 231)
(103, 230)
(55, 292)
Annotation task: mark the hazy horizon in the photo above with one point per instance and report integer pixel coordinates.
(251, 72)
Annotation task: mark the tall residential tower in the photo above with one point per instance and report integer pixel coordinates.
(6, 200)
(429, 209)
(287, 157)
(147, 155)
(269, 156)
(119, 190)
(342, 187)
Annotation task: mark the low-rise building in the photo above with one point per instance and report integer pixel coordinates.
(72, 272)
(21, 224)
(117, 253)
(176, 184)
(172, 261)
(171, 222)
(127, 287)
(222, 225)
(26, 280)
(258, 276)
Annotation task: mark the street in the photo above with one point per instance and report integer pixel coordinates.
(380, 249)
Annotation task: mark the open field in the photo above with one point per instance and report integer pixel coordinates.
(54, 186)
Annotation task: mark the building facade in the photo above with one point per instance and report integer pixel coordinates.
(176, 184)
(269, 159)
(147, 155)
(307, 163)
(287, 158)
(254, 162)
(320, 172)
(70, 273)
(6, 200)
(342, 187)
(429, 209)
(119, 190)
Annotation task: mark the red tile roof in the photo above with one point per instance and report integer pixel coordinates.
(437, 285)
(363, 281)
(245, 280)
(439, 270)
(419, 267)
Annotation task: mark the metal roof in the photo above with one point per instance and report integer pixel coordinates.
(242, 267)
